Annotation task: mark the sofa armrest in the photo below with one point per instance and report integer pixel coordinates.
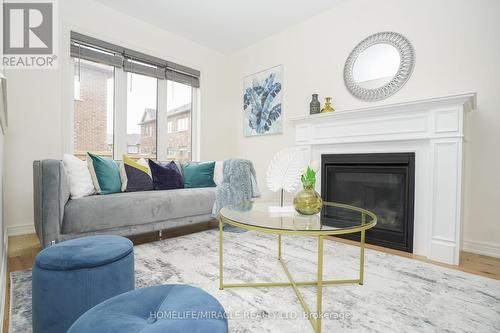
(50, 194)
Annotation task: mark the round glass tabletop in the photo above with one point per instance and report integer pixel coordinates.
(334, 218)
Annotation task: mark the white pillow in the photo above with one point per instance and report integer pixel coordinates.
(80, 182)
(218, 172)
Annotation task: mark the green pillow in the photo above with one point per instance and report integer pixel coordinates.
(105, 174)
(198, 174)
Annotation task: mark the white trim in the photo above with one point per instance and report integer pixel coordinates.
(467, 101)
(120, 114)
(161, 124)
(22, 229)
(67, 91)
(484, 248)
(3, 287)
(3, 277)
(195, 123)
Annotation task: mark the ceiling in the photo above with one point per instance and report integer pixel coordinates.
(223, 25)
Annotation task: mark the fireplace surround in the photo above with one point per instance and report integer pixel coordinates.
(433, 130)
(383, 183)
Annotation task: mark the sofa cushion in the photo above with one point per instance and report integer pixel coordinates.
(166, 176)
(97, 213)
(138, 175)
(105, 174)
(198, 174)
(80, 181)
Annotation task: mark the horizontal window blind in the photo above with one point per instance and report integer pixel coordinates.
(182, 78)
(93, 54)
(133, 66)
(93, 49)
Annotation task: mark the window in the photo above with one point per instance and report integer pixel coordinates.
(93, 109)
(182, 124)
(132, 149)
(179, 106)
(141, 113)
(127, 102)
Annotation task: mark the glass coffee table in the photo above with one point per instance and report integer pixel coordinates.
(334, 219)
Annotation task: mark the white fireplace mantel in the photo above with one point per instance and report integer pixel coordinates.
(434, 130)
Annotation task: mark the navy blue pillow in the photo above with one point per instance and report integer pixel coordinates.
(166, 176)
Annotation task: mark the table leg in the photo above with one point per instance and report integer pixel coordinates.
(221, 285)
(362, 252)
(319, 291)
(279, 246)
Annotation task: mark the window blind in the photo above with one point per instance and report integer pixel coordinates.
(133, 66)
(93, 49)
(82, 51)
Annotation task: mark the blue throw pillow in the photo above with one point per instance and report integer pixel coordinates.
(166, 176)
(105, 174)
(199, 174)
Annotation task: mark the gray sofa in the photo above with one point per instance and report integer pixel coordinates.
(58, 218)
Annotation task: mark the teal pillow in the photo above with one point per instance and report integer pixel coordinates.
(105, 174)
(198, 174)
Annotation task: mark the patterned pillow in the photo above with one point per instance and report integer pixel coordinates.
(105, 174)
(138, 175)
(166, 176)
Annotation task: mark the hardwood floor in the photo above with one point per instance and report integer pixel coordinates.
(469, 262)
(23, 249)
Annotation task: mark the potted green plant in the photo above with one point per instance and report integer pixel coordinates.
(308, 201)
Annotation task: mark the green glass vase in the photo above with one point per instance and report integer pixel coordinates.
(308, 201)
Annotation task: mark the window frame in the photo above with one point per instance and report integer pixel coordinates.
(120, 103)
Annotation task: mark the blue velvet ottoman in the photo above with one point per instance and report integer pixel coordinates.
(172, 308)
(73, 276)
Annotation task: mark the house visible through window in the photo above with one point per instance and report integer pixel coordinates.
(133, 149)
(93, 109)
(179, 104)
(103, 72)
(182, 124)
(141, 112)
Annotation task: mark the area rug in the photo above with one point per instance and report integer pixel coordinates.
(399, 294)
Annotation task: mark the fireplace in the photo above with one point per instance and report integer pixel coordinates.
(383, 183)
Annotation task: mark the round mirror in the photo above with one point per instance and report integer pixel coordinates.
(379, 66)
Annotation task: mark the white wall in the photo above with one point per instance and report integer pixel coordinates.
(39, 112)
(457, 50)
(3, 234)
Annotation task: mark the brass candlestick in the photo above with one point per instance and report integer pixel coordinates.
(328, 106)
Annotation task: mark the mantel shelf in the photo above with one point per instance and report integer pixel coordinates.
(467, 100)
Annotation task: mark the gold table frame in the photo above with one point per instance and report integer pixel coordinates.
(314, 317)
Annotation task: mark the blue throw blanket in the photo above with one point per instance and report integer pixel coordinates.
(239, 184)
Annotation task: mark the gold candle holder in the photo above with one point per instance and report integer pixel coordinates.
(328, 106)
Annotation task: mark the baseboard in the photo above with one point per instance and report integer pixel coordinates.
(23, 229)
(3, 281)
(484, 248)
(3, 289)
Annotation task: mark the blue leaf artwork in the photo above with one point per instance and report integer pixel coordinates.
(262, 102)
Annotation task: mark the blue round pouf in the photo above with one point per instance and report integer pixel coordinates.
(172, 308)
(73, 276)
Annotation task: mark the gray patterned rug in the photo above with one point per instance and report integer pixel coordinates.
(399, 294)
